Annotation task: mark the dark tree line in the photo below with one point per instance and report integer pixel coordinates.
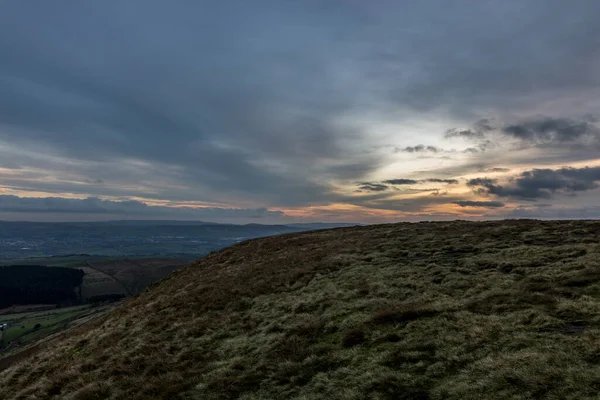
(36, 284)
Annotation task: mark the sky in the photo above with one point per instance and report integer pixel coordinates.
(294, 111)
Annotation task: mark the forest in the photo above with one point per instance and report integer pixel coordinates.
(37, 284)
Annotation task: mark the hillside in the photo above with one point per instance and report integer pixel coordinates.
(448, 310)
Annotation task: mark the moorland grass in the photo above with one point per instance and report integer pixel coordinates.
(445, 310)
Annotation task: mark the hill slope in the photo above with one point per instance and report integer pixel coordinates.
(406, 311)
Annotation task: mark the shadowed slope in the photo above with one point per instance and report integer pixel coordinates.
(405, 311)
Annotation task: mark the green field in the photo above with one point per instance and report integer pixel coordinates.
(27, 328)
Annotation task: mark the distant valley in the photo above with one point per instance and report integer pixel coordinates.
(19, 240)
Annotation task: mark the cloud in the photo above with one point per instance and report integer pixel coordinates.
(466, 134)
(554, 130)
(486, 204)
(272, 103)
(477, 132)
(439, 193)
(541, 183)
(437, 180)
(372, 187)
(391, 183)
(401, 181)
(243, 130)
(493, 169)
(129, 208)
(485, 182)
(421, 149)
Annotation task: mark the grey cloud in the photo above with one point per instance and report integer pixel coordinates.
(553, 130)
(438, 180)
(224, 127)
(421, 149)
(232, 100)
(466, 134)
(493, 169)
(540, 132)
(485, 182)
(372, 187)
(486, 204)
(401, 181)
(130, 208)
(541, 183)
(391, 183)
(477, 132)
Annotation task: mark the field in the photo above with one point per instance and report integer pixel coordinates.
(133, 275)
(30, 327)
(445, 310)
(111, 275)
(98, 283)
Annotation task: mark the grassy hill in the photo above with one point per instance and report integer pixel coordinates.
(448, 310)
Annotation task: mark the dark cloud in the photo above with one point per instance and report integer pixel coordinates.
(541, 183)
(164, 93)
(486, 204)
(372, 187)
(466, 134)
(421, 149)
(129, 209)
(401, 181)
(543, 132)
(391, 183)
(438, 180)
(554, 130)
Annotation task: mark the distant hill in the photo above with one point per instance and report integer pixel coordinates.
(153, 222)
(20, 240)
(324, 225)
(439, 310)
